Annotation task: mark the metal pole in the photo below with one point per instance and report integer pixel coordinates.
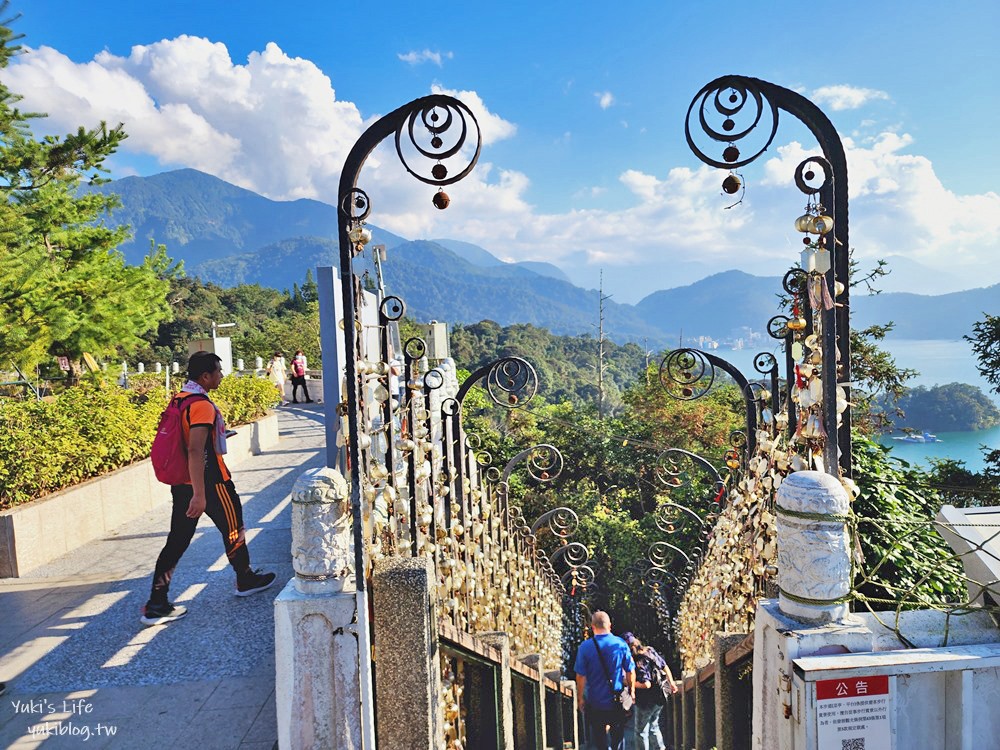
(834, 197)
(331, 360)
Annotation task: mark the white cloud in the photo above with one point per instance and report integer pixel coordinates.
(415, 57)
(273, 124)
(494, 128)
(843, 96)
(605, 99)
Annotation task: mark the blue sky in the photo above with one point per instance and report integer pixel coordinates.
(582, 105)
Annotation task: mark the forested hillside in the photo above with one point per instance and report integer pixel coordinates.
(954, 407)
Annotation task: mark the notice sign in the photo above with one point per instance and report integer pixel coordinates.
(853, 714)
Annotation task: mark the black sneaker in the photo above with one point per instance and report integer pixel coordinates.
(252, 582)
(160, 614)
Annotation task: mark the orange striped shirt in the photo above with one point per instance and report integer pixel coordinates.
(202, 414)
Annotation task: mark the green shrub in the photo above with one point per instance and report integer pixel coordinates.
(95, 428)
(242, 400)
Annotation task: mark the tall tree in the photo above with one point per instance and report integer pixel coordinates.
(66, 290)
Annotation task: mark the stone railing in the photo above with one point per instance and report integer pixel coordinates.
(35, 533)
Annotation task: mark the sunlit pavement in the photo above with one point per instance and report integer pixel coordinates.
(81, 671)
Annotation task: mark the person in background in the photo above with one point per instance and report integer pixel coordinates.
(210, 491)
(604, 666)
(276, 374)
(299, 368)
(652, 680)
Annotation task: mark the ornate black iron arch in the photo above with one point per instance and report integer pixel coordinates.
(733, 97)
(437, 114)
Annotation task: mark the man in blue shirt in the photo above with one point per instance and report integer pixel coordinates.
(604, 665)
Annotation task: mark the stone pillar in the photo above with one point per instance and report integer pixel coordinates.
(317, 660)
(408, 687)
(687, 711)
(814, 547)
(725, 681)
(572, 731)
(535, 661)
(704, 724)
(811, 615)
(677, 717)
(505, 720)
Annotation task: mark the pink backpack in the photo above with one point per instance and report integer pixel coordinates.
(169, 454)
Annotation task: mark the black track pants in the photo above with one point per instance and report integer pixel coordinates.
(223, 506)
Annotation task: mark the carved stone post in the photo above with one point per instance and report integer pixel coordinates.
(535, 661)
(317, 680)
(505, 718)
(814, 547)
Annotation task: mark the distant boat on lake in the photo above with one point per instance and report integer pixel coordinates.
(925, 437)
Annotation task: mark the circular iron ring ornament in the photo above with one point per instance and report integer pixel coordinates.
(730, 97)
(450, 407)
(794, 281)
(392, 308)
(581, 576)
(662, 553)
(804, 175)
(433, 379)
(356, 204)
(683, 372)
(545, 463)
(671, 517)
(561, 522)
(492, 475)
(573, 554)
(777, 327)
(415, 348)
(765, 363)
(512, 382)
(671, 471)
(438, 131)
(738, 439)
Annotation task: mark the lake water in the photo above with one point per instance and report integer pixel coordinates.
(939, 362)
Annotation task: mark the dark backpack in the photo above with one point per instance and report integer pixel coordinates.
(169, 454)
(660, 689)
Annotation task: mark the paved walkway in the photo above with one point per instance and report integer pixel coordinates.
(81, 671)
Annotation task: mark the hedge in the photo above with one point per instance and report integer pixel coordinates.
(95, 428)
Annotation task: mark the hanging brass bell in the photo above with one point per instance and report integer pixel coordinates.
(440, 171)
(731, 184)
(822, 224)
(797, 324)
(804, 223)
(441, 200)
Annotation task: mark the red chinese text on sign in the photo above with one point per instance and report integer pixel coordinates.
(852, 687)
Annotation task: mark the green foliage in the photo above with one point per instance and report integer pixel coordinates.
(566, 365)
(985, 340)
(65, 290)
(947, 408)
(84, 432)
(905, 560)
(96, 428)
(243, 400)
(266, 321)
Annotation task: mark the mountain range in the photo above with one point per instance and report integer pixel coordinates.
(229, 235)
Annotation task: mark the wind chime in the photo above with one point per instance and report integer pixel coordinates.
(811, 297)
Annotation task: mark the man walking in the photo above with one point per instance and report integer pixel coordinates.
(210, 491)
(604, 666)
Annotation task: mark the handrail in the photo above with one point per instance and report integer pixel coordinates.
(739, 651)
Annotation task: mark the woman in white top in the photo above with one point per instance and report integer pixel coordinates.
(276, 372)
